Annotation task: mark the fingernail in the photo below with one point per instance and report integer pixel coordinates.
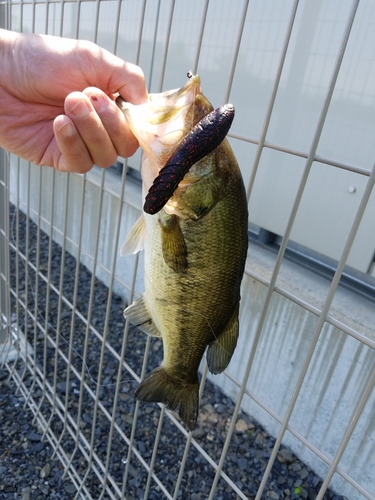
(66, 130)
(80, 109)
(98, 102)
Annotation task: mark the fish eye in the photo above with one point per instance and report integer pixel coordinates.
(190, 74)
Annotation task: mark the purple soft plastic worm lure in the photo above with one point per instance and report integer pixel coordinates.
(206, 136)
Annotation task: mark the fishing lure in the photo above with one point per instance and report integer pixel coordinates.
(206, 136)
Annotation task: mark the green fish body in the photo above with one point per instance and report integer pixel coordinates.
(195, 251)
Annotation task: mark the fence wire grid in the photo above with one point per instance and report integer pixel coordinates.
(63, 286)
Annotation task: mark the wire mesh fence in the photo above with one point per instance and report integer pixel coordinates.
(301, 382)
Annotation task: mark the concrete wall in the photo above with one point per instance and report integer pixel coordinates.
(340, 365)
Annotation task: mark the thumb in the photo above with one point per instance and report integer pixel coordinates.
(133, 88)
(125, 78)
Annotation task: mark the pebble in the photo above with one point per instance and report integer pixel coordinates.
(285, 456)
(241, 425)
(70, 488)
(221, 408)
(303, 473)
(213, 417)
(260, 439)
(46, 471)
(272, 494)
(295, 467)
(34, 436)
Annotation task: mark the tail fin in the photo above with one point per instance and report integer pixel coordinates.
(159, 387)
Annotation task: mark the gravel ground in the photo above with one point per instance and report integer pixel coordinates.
(27, 469)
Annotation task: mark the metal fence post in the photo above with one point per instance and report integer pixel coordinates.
(4, 250)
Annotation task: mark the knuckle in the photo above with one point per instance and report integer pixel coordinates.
(107, 161)
(137, 73)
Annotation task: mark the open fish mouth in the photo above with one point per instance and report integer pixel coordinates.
(178, 97)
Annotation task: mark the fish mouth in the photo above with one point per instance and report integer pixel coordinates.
(168, 105)
(163, 121)
(193, 84)
(166, 115)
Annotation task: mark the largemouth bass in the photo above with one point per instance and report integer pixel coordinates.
(195, 251)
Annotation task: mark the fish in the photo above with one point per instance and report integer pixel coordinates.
(195, 248)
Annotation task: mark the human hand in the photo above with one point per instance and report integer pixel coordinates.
(57, 103)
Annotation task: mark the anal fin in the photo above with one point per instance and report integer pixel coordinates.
(220, 351)
(138, 314)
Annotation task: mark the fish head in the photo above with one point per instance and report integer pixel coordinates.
(161, 123)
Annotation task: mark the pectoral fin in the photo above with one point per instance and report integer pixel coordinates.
(138, 314)
(173, 243)
(220, 351)
(134, 241)
(194, 200)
